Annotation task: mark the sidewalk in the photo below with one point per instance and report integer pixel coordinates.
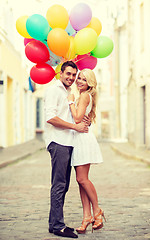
(128, 150)
(122, 187)
(15, 153)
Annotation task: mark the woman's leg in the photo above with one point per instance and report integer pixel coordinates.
(85, 203)
(89, 189)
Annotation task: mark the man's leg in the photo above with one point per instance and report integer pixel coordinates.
(68, 173)
(60, 158)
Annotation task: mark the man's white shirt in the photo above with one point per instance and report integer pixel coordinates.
(56, 104)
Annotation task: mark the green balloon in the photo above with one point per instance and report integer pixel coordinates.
(37, 26)
(103, 47)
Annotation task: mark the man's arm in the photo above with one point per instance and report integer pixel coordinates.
(58, 122)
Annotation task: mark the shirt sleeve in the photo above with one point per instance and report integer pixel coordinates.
(51, 102)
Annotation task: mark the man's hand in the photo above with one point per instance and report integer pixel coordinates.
(81, 127)
(87, 120)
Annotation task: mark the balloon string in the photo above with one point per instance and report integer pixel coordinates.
(88, 55)
(82, 58)
(53, 57)
(57, 73)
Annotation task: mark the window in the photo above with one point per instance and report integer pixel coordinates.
(39, 113)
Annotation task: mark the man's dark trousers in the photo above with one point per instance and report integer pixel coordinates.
(60, 179)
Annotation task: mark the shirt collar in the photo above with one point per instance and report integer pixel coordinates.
(60, 84)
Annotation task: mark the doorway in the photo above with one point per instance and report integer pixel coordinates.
(9, 112)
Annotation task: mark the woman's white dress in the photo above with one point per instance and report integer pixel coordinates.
(86, 148)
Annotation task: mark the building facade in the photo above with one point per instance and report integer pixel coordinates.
(17, 103)
(139, 73)
(131, 71)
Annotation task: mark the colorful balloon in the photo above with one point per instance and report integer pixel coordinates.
(103, 47)
(96, 25)
(71, 52)
(85, 41)
(69, 29)
(37, 52)
(86, 61)
(57, 71)
(21, 26)
(80, 16)
(38, 27)
(58, 41)
(27, 40)
(59, 37)
(42, 73)
(57, 16)
(54, 59)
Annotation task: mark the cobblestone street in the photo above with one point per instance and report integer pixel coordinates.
(123, 187)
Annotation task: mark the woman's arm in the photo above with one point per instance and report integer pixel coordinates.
(79, 112)
(58, 122)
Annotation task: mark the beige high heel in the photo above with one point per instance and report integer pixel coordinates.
(85, 223)
(98, 223)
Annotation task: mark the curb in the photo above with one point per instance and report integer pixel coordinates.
(28, 147)
(5, 164)
(129, 155)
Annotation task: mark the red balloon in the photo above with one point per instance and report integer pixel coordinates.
(27, 40)
(37, 52)
(42, 73)
(86, 61)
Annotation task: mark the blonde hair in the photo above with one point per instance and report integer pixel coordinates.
(92, 83)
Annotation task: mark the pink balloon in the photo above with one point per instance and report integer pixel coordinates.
(37, 52)
(86, 61)
(27, 40)
(42, 73)
(80, 16)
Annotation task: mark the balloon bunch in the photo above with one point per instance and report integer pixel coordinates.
(60, 37)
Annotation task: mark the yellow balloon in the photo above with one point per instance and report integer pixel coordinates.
(96, 25)
(21, 26)
(85, 41)
(57, 70)
(71, 52)
(57, 16)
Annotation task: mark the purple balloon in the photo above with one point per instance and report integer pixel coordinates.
(80, 16)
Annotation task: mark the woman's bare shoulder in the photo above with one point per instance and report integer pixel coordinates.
(85, 96)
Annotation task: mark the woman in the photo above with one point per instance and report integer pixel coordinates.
(86, 149)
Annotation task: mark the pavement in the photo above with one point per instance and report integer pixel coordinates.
(128, 150)
(122, 185)
(15, 153)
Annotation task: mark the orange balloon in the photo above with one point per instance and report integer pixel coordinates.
(71, 52)
(96, 25)
(58, 41)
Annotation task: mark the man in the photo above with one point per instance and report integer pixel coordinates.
(59, 128)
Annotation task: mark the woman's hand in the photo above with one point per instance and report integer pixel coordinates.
(71, 97)
(87, 120)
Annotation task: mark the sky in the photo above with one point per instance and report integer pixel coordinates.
(29, 7)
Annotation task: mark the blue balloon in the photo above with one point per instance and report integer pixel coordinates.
(38, 27)
(69, 29)
(54, 59)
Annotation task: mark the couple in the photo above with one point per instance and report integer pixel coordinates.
(71, 142)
